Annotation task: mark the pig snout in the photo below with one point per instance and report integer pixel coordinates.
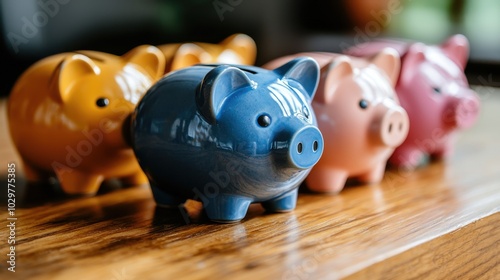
(461, 112)
(306, 147)
(391, 126)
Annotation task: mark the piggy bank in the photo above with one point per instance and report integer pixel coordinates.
(67, 114)
(228, 136)
(359, 116)
(434, 91)
(236, 49)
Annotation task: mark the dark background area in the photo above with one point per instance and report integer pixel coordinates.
(33, 29)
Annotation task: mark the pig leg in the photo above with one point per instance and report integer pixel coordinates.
(164, 199)
(443, 152)
(375, 175)
(282, 204)
(406, 157)
(138, 178)
(33, 174)
(79, 183)
(326, 180)
(225, 208)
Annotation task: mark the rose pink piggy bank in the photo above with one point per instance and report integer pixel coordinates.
(359, 116)
(434, 91)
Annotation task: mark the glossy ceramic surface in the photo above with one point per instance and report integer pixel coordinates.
(434, 91)
(229, 135)
(235, 49)
(66, 116)
(359, 116)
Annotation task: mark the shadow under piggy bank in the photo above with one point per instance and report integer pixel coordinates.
(28, 194)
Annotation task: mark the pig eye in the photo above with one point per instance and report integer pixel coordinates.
(102, 102)
(264, 120)
(363, 104)
(436, 90)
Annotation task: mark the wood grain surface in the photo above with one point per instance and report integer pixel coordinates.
(441, 221)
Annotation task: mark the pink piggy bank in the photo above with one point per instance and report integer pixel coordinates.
(434, 91)
(359, 116)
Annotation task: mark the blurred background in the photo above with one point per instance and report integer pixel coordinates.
(33, 29)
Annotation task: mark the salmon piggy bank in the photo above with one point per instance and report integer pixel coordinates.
(66, 113)
(228, 136)
(236, 49)
(359, 116)
(434, 91)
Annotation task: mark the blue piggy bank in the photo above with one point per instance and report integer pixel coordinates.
(229, 136)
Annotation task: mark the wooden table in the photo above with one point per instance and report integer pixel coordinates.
(441, 221)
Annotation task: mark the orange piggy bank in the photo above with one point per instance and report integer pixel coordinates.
(68, 113)
(236, 49)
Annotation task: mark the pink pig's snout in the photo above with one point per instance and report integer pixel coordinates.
(461, 112)
(390, 126)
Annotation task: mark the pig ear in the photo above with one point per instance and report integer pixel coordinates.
(302, 70)
(243, 45)
(150, 58)
(216, 86)
(189, 54)
(70, 70)
(389, 61)
(413, 57)
(457, 49)
(331, 75)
